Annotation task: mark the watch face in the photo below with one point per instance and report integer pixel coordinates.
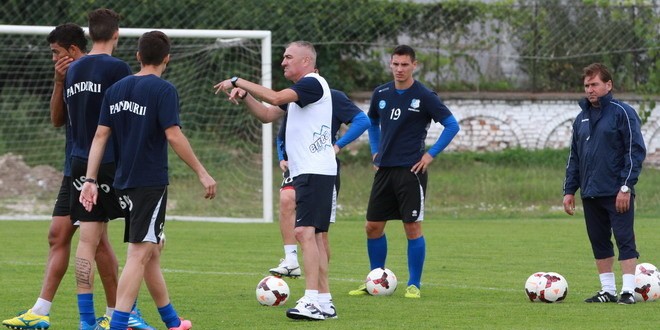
(624, 189)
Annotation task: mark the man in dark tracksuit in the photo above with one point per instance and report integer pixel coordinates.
(607, 151)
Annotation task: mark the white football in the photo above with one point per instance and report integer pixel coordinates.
(552, 287)
(381, 282)
(531, 285)
(272, 291)
(647, 283)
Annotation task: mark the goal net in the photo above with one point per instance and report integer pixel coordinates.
(235, 148)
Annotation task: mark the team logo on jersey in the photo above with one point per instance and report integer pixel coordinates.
(322, 140)
(414, 105)
(382, 104)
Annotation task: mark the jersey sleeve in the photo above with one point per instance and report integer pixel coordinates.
(343, 108)
(104, 115)
(309, 90)
(168, 114)
(436, 108)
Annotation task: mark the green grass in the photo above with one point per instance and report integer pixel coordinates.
(473, 278)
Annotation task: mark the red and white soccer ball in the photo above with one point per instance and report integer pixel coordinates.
(647, 282)
(531, 285)
(381, 282)
(272, 291)
(552, 288)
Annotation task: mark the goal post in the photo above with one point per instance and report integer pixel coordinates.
(235, 148)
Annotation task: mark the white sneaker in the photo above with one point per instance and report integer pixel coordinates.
(329, 312)
(305, 310)
(285, 269)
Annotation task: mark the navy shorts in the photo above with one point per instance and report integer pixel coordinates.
(602, 221)
(397, 193)
(145, 213)
(107, 205)
(316, 200)
(62, 206)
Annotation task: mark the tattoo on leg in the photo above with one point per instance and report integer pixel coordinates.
(83, 273)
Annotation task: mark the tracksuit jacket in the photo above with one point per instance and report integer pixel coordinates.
(607, 149)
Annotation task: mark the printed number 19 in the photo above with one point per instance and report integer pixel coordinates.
(395, 114)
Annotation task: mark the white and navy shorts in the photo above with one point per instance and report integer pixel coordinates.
(107, 205)
(397, 193)
(145, 213)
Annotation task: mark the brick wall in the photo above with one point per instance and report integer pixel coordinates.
(491, 125)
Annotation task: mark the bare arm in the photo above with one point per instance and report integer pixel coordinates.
(89, 192)
(182, 147)
(57, 113)
(256, 92)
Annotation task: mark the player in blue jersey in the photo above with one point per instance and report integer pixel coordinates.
(312, 163)
(67, 43)
(141, 115)
(85, 83)
(400, 112)
(344, 111)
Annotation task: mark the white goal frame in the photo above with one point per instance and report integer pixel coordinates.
(266, 80)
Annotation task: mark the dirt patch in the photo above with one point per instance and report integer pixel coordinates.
(25, 189)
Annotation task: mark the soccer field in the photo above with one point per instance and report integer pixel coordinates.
(473, 278)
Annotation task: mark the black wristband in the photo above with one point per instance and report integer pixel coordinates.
(90, 180)
(244, 96)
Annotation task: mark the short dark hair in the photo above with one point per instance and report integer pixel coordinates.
(103, 23)
(153, 47)
(597, 69)
(404, 50)
(68, 34)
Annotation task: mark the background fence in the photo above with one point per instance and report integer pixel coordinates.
(523, 45)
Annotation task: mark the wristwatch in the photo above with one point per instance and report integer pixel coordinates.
(90, 180)
(233, 81)
(624, 189)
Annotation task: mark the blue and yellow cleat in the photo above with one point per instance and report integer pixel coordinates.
(102, 323)
(28, 320)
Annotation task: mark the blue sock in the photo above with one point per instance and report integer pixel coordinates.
(169, 316)
(119, 320)
(416, 256)
(86, 308)
(377, 250)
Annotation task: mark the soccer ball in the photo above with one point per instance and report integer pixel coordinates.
(552, 287)
(381, 282)
(531, 285)
(647, 282)
(272, 291)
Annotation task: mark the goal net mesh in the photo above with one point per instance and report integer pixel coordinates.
(224, 137)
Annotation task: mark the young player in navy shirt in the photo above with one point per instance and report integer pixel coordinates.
(86, 81)
(141, 115)
(400, 112)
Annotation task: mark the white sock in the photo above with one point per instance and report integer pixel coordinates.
(608, 283)
(291, 254)
(325, 300)
(313, 295)
(41, 307)
(628, 283)
(109, 311)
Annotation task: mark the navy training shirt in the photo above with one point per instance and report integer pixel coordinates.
(138, 110)
(404, 120)
(86, 81)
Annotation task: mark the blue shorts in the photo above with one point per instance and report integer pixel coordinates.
(316, 200)
(602, 220)
(62, 206)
